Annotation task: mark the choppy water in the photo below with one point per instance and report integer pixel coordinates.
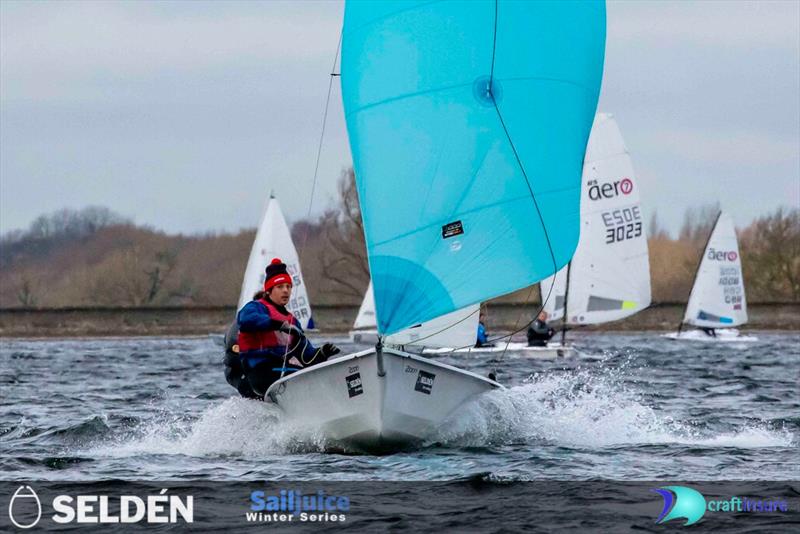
(633, 407)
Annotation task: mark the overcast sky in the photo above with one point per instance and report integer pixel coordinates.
(184, 115)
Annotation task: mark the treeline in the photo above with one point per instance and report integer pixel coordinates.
(94, 257)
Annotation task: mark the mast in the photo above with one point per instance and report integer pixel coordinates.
(697, 270)
(566, 302)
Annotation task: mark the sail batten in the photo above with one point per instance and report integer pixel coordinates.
(447, 171)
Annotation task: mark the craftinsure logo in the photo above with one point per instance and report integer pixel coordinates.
(25, 508)
(681, 502)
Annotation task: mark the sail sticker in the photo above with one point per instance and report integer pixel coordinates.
(424, 382)
(354, 385)
(452, 229)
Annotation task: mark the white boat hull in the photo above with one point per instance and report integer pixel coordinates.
(352, 406)
(724, 335)
(550, 352)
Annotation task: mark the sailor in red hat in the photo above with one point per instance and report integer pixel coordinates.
(271, 340)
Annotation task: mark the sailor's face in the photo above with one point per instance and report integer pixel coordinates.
(280, 294)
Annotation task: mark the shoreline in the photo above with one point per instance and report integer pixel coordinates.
(332, 320)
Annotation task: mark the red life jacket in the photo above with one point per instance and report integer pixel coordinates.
(267, 339)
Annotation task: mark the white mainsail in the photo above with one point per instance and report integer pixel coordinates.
(455, 329)
(717, 299)
(273, 240)
(609, 276)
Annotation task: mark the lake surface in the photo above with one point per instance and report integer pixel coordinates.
(632, 407)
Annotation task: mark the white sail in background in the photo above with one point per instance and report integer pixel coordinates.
(273, 240)
(717, 299)
(366, 313)
(554, 298)
(456, 329)
(609, 276)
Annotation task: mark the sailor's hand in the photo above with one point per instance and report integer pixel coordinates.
(329, 349)
(289, 328)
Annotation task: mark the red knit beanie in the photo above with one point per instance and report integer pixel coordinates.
(276, 274)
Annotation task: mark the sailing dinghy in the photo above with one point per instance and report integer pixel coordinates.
(468, 123)
(717, 300)
(273, 240)
(365, 328)
(455, 329)
(608, 278)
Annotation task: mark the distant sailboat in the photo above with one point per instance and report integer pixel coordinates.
(468, 123)
(455, 329)
(273, 240)
(365, 327)
(717, 302)
(609, 276)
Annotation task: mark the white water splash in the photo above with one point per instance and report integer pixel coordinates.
(236, 427)
(587, 410)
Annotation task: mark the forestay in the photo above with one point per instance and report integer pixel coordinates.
(273, 240)
(468, 123)
(717, 299)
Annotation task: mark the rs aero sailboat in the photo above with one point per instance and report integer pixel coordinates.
(467, 190)
(717, 303)
(608, 278)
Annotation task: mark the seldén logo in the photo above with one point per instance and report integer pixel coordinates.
(25, 509)
(681, 502)
(21, 506)
(609, 189)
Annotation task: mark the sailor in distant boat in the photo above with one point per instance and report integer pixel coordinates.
(270, 341)
(539, 333)
(710, 332)
(483, 337)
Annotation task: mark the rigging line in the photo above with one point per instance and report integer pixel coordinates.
(333, 74)
(524, 174)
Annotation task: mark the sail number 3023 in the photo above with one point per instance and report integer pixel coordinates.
(622, 224)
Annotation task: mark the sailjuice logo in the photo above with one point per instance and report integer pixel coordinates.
(291, 505)
(681, 502)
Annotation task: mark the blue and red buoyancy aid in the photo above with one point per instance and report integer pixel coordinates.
(259, 328)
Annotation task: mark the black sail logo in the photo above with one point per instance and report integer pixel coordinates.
(25, 508)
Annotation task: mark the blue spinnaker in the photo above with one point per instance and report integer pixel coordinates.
(468, 122)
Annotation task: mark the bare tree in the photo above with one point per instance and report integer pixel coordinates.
(344, 262)
(771, 255)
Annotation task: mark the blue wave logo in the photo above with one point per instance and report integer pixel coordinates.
(681, 502)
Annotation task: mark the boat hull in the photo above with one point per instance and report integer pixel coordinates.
(724, 335)
(521, 349)
(352, 406)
